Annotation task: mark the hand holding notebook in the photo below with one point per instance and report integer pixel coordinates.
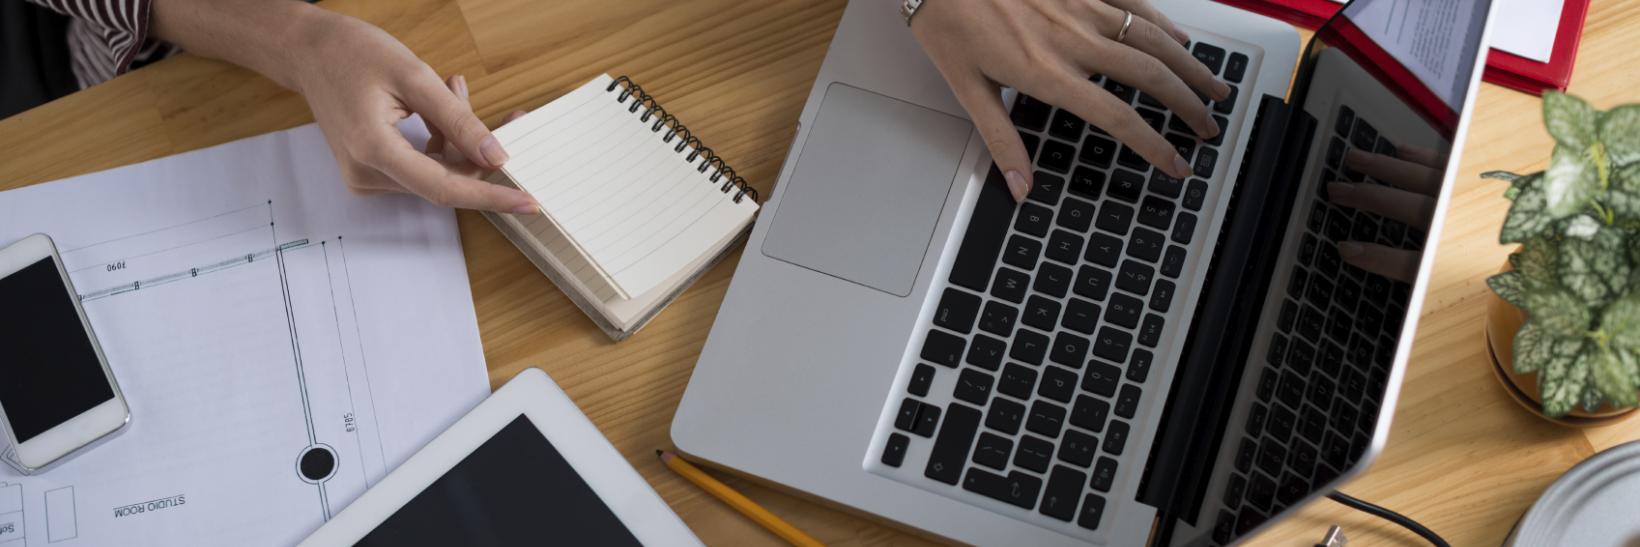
(633, 206)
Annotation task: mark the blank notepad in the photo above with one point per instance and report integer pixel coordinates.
(624, 190)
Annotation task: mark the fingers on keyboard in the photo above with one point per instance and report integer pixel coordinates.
(1118, 118)
(1034, 370)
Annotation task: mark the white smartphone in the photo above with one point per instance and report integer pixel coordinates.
(57, 394)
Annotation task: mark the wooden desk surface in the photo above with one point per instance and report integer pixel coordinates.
(1463, 458)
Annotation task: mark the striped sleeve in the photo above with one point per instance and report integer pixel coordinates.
(106, 36)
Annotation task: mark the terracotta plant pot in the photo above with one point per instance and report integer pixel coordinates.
(1503, 320)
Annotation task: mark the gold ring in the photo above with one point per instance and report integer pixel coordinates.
(1127, 21)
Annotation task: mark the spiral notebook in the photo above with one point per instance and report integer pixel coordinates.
(634, 206)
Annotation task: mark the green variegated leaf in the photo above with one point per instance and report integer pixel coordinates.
(1621, 322)
(1536, 260)
(1527, 217)
(1571, 121)
(1634, 249)
(1624, 203)
(1533, 346)
(1594, 269)
(1627, 177)
(1631, 364)
(1613, 261)
(1561, 381)
(1582, 227)
(1623, 194)
(1619, 131)
(1511, 193)
(1592, 397)
(1558, 311)
(1611, 377)
(1510, 286)
(1571, 181)
(1513, 178)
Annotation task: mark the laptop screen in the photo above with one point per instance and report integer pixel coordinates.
(1379, 93)
(1424, 52)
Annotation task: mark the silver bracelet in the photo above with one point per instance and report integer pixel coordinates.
(909, 8)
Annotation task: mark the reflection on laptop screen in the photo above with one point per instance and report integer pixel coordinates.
(1384, 83)
(1433, 40)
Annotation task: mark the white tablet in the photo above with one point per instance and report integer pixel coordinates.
(524, 468)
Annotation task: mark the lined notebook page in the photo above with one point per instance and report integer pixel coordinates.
(546, 240)
(623, 312)
(636, 208)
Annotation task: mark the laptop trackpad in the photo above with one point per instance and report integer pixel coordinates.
(868, 189)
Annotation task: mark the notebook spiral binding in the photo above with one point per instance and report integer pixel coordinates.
(686, 139)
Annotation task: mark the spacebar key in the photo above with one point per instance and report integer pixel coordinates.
(986, 230)
(951, 445)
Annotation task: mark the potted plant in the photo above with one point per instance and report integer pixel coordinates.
(1566, 334)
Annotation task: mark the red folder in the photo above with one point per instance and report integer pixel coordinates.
(1502, 68)
(1309, 14)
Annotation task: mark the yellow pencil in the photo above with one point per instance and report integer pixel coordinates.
(734, 499)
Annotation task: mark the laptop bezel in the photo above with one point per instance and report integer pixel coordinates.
(1295, 103)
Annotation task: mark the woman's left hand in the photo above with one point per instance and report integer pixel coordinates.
(360, 82)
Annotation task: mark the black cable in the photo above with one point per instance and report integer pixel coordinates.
(1386, 514)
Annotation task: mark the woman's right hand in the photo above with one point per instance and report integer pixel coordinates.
(1047, 49)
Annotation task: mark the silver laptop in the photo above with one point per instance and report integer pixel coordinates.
(1126, 358)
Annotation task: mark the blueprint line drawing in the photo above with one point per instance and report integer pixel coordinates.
(364, 363)
(232, 240)
(12, 521)
(62, 519)
(281, 343)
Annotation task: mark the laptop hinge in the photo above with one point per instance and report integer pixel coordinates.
(1210, 368)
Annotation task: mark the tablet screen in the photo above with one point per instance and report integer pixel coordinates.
(515, 489)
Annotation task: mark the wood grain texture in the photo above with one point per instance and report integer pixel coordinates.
(1462, 457)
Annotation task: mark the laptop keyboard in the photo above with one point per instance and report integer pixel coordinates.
(1329, 358)
(1054, 311)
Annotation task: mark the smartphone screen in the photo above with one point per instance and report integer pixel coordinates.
(49, 371)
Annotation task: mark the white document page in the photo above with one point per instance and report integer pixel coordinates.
(634, 205)
(1421, 34)
(1525, 27)
(282, 344)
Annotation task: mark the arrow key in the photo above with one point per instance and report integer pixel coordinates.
(1064, 487)
(1093, 507)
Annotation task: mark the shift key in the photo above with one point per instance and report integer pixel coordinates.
(1017, 488)
(951, 446)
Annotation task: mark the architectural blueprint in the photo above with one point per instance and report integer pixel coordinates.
(282, 344)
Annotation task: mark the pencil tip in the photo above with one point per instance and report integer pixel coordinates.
(659, 452)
